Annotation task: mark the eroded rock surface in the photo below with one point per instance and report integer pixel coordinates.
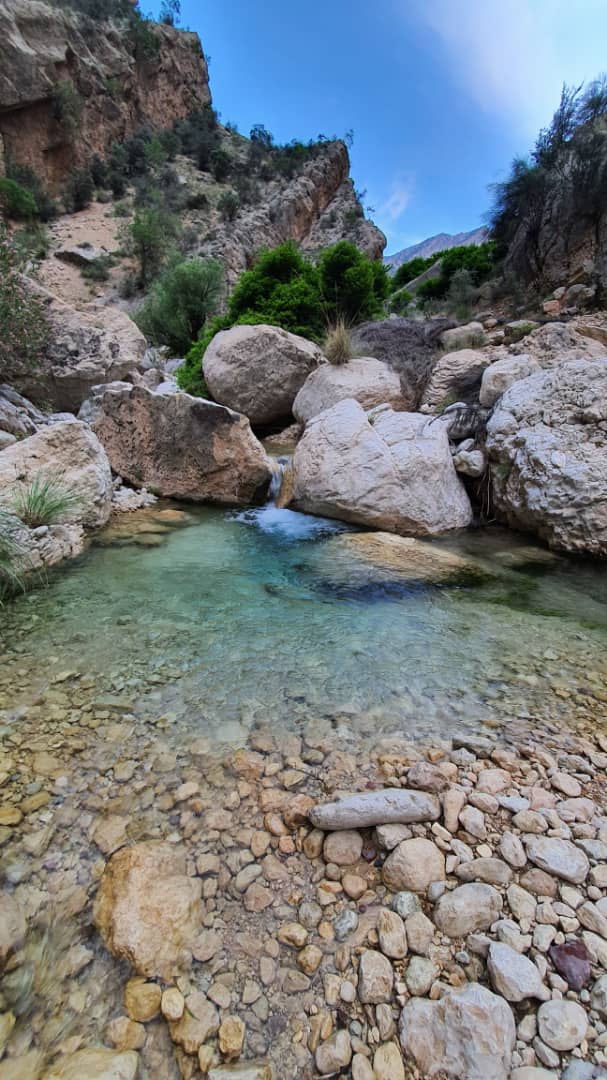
(368, 381)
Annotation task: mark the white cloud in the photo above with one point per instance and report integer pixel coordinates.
(398, 200)
(512, 56)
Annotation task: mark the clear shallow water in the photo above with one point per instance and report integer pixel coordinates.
(237, 620)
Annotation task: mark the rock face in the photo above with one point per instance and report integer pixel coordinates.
(258, 370)
(502, 374)
(182, 446)
(368, 381)
(456, 376)
(86, 347)
(468, 1033)
(548, 451)
(147, 910)
(386, 469)
(43, 45)
(70, 453)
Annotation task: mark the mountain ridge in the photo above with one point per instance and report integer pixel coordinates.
(433, 244)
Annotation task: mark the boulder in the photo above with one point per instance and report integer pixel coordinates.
(258, 370)
(390, 806)
(547, 447)
(148, 910)
(86, 347)
(467, 1033)
(181, 446)
(463, 337)
(456, 376)
(70, 453)
(502, 374)
(95, 1064)
(370, 382)
(390, 470)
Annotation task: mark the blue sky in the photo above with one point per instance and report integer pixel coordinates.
(441, 94)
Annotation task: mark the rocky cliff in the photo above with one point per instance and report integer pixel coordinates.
(71, 85)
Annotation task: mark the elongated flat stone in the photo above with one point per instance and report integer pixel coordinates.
(392, 806)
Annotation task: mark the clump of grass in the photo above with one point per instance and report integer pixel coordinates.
(337, 345)
(11, 551)
(44, 500)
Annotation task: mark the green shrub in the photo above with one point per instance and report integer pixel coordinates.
(45, 500)
(412, 269)
(66, 106)
(79, 191)
(16, 202)
(98, 269)
(221, 165)
(99, 171)
(400, 302)
(228, 205)
(461, 293)
(352, 286)
(25, 327)
(181, 302)
(480, 261)
(27, 178)
(150, 237)
(31, 242)
(189, 376)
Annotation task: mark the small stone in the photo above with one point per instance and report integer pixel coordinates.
(310, 914)
(572, 961)
(467, 909)
(453, 801)
(558, 857)
(142, 999)
(125, 1034)
(392, 934)
(512, 850)
(521, 903)
(473, 821)
(426, 777)
(334, 1054)
(309, 959)
(206, 945)
(345, 924)
(172, 1003)
(420, 975)
(361, 1069)
(231, 1037)
(420, 932)
(514, 976)
(354, 886)
(562, 1024)
(10, 815)
(389, 836)
(343, 848)
(538, 883)
(292, 934)
(405, 903)
(387, 1061)
(414, 865)
(492, 871)
(568, 785)
(257, 898)
(375, 977)
(598, 996)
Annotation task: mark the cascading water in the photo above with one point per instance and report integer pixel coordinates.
(276, 519)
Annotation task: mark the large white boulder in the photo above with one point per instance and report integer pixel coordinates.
(391, 470)
(258, 370)
(498, 377)
(455, 376)
(368, 381)
(547, 445)
(70, 454)
(180, 446)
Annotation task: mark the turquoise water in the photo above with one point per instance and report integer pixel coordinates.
(230, 621)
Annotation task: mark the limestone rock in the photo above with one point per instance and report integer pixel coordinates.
(498, 377)
(182, 446)
(514, 976)
(258, 370)
(460, 337)
(467, 1033)
(69, 454)
(414, 865)
(392, 934)
(468, 908)
(375, 977)
(558, 857)
(95, 1064)
(391, 470)
(456, 376)
(343, 848)
(548, 451)
(12, 926)
(562, 1024)
(389, 806)
(147, 910)
(363, 379)
(334, 1054)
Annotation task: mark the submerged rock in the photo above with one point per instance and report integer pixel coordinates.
(258, 370)
(181, 446)
(391, 470)
(392, 805)
(147, 909)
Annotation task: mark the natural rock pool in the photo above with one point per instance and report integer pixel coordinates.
(129, 680)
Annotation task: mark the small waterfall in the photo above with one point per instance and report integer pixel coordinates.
(281, 484)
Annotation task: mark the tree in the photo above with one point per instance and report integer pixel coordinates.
(228, 205)
(150, 236)
(352, 286)
(185, 296)
(25, 327)
(170, 12)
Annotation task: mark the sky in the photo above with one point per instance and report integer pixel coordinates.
(440, 94)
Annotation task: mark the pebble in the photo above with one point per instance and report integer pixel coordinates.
(375, 977)
(562, 1024)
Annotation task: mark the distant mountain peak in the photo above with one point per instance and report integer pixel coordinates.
(440, 242)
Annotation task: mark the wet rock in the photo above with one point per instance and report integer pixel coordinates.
(392, 934)
(414, 865)
(343, 848)
(572, 961)
(95, 1064)
(514, 976)
(390, 806)
(467, 909)
(375, 977)
(467, 1033)
(562, 1024)
(334, 1054)
(558, 857)
(147, 909)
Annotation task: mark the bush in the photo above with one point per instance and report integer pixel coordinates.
(26, 177)
(16, 202)
(337, 345)
(352, 286)
(79, 191)
(189, 376)
(221, 165)
(46, 499)
(98, 269)
(412, 269)
(400, 302)
(99, 171)
(181, 302)
(228, 205)
(150, 237)
(25, 327)
(479, 260)
(461, 293)
(66, 106)
(31, 242)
